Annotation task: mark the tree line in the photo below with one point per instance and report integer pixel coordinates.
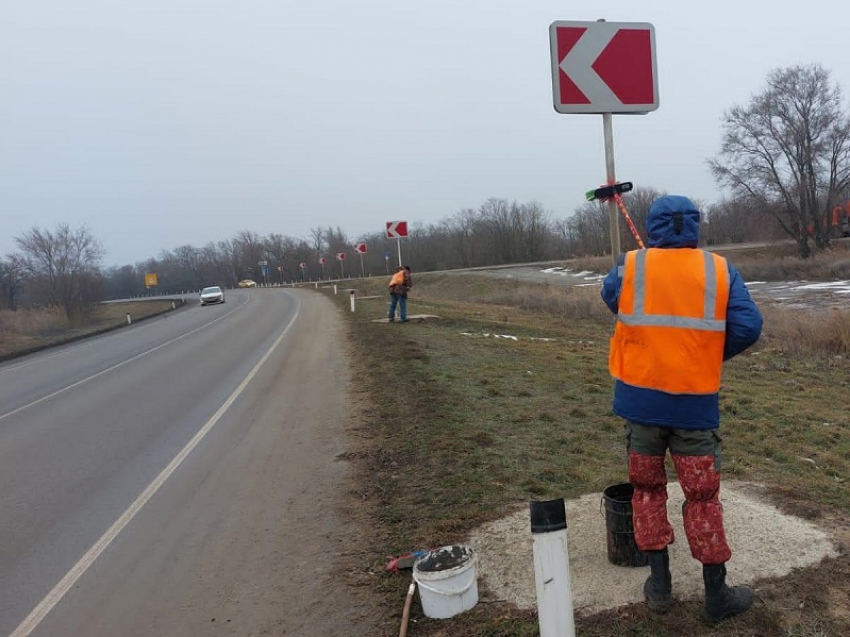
(785, 159)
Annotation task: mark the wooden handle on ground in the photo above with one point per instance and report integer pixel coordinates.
(405, 615)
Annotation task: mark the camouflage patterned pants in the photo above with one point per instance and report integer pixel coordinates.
(696, 456)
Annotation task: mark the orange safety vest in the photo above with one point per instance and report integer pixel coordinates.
(671, 321)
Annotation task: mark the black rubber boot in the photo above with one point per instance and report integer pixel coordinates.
(658, 588)
(723, 601)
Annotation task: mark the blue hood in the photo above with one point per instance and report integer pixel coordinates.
(661, 224)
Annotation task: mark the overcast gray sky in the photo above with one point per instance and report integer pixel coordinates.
(157, 123)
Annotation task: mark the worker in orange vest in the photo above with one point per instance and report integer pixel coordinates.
(398, 296)
(681, 312)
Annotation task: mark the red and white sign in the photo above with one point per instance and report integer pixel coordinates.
(303, 266)
(603, 67)
(340, 256)
(323, 260)
(396, 229)
(361, 248)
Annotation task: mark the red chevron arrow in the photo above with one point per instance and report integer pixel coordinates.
(625, 65)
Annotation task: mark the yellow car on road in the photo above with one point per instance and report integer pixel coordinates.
(247, 283)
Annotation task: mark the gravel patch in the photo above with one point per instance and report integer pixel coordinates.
(765, 543)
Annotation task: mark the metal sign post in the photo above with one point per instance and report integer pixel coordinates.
(613, 223)
(361, 249)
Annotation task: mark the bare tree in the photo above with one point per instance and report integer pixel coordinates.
(317, 235)
(736, 222)
(460, 230)
(788, 151)
(11, 282)
(589, 229)
(535, 227)
(63, 266)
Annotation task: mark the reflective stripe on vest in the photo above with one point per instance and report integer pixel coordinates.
(671, 324)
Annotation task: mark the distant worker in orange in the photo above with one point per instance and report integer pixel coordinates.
(398, 295)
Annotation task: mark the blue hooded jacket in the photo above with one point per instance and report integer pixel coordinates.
(673, 222)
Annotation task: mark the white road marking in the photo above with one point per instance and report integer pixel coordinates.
(66, 583)
(122, 363)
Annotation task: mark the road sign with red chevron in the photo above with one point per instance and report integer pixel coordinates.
(603, 67)
(361, 248)
(396, 229)
(340, 256)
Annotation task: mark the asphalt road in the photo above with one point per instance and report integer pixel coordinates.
(175, 477)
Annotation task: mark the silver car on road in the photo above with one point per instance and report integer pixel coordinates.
(213, 294)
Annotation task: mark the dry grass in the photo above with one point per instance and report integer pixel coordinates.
(564, 304)
(816, 333)
(828, 266)
(820, 332)
(51, 320)
(25, 331)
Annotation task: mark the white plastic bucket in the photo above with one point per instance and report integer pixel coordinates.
(448, 581)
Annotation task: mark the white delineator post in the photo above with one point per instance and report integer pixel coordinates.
(352, 300)
(552, 569)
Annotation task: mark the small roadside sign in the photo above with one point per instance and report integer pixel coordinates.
(150, 279)
(396, 229)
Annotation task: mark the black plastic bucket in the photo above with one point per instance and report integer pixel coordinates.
(620, 534)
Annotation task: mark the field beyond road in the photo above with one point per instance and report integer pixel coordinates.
(501, 395)
(25, 331)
